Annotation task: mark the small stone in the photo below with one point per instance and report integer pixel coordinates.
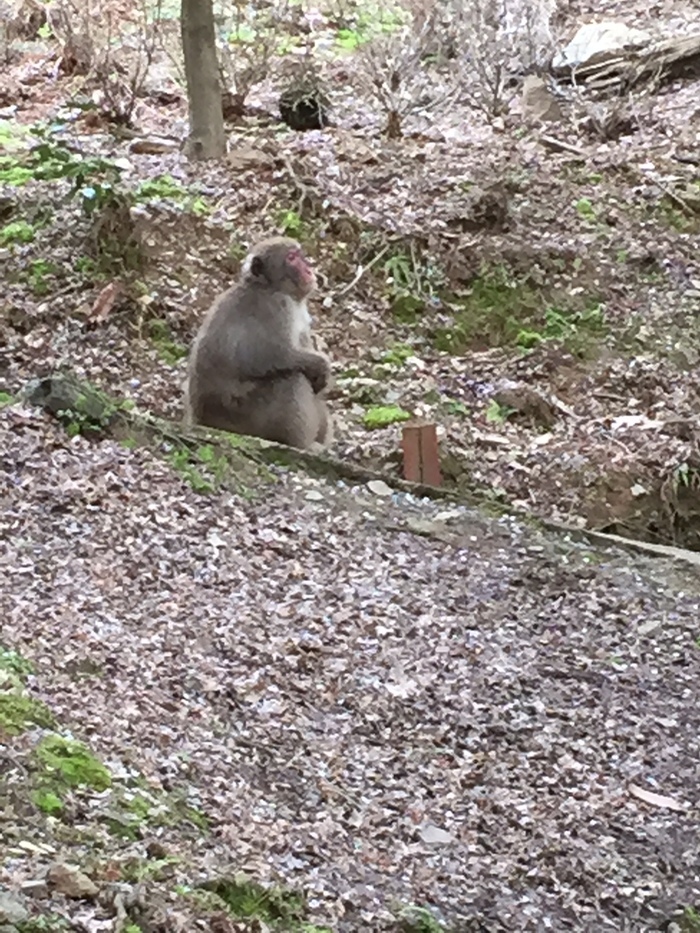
(538, 101)
(434, 835)
(314, 495)
(156, 849)
(68, 880)
(379, 488)
(35, 887)
(154, 146)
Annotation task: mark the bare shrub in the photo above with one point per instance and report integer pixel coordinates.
(393, 71)
(249, 39)
(466, 48)
(112, 52)
(495, 40)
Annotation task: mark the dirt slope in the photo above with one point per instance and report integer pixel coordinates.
(460, 721)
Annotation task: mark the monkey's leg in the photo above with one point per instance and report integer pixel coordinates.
(214, 411)
(325, 423)
(288, 412)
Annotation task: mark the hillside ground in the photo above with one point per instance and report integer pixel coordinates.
(411, 714)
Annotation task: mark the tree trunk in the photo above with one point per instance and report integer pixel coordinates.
(206, 139)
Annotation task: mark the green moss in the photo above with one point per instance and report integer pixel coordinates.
(19, 712)
(245, 898)
(384, 415)
(71, 763)
(501, 309)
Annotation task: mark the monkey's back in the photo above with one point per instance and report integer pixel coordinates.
(243, 328)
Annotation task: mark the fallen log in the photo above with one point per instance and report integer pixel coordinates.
(85, 409)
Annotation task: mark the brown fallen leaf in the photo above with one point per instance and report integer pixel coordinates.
(656, 800)
(104, 302)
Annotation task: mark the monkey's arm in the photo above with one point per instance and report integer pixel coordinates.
(267, 357)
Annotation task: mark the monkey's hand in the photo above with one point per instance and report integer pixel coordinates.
(317, 370)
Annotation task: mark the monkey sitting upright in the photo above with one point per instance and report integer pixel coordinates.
(252, 369)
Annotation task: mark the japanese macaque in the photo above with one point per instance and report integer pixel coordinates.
(253, 369)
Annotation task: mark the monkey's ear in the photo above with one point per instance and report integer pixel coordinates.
(257, 266)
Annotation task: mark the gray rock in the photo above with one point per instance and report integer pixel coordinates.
(12, 910)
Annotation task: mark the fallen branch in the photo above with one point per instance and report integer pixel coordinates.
(76, 402)
(558, 145)
(80, 404)
(361, 271)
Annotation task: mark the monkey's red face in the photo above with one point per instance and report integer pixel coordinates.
(301, 271)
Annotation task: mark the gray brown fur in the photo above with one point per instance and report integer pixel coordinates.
(252, 368)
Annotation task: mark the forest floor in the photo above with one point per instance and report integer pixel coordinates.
(398, 707)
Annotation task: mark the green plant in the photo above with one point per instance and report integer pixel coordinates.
(5, 399)
(453, 407)
(199, 206)
(12, 661)
(38, 275)
(496, 413)
(384, 415)
(170, 350)
(46, 923)
(93, 179)
(412, 283)
(86, 266)
(527, 339)
(246, 898)
(291, 224)
(415, 919)
(161, 187)
(12, 135)
(90, 414)
(490, 313)
(397, 355)
(181, 461)
(575, 329)
(47, 802)
(216, 467)
(365, 25)
(19, 712)
(585, 209)
(71, 763)
(502, 309)
(13, 173)
(19, 231)
(689, 922)
(673, 216)
(137, 870)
